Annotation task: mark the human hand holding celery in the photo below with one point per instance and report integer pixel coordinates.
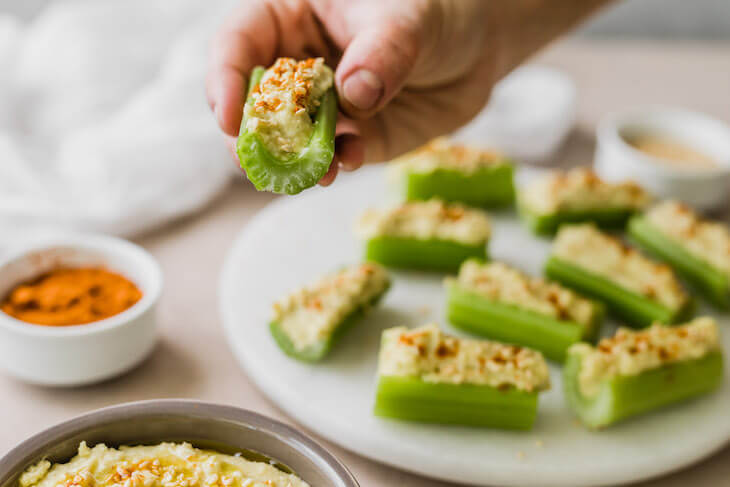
(379, 52)
(404, 72)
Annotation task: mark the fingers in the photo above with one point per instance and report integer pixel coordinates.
(230, 143)
(226, 97)
(349, 149)
(349, 146)
(300, 34)
(247, 39)
(375, 66)
(328, 178)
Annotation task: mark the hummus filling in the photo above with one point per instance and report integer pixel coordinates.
(432, 356)
(499, 282)
(588, 248)
(282, 105)
(708, 241)
(580, 189)
(163, 465)
(313, 313)
(631, 352)
(441, 153)
(427, 220)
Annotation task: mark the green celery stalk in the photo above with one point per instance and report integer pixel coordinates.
(711, 282)
(299, 171)
(411, 253)
(485, 187)
(626, 396)
(608, 218)
(638, 311)
(320, 350)
(412, 399)
(512, 324)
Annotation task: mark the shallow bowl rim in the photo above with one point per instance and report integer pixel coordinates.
(13, 462)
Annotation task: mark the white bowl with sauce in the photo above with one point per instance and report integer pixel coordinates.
(672, 152)
(82, 354)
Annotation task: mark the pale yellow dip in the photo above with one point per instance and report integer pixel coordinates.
(632, 352)
(162, 465)
(671, 152)
(432, 356)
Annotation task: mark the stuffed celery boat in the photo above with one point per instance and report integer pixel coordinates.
(635, 372)
(287, 137)
(428, 235)
(633, 287)
(698, 249)
(457, 173)
(578, 195)
(427, 376)
(499, 302)
(307, 323)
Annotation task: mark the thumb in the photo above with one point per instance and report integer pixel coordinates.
(374, 67)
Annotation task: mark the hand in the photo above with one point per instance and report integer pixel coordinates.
(406, 71)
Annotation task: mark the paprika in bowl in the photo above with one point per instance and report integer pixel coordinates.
(77, 309)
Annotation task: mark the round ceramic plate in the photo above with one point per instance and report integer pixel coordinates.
(296, 239)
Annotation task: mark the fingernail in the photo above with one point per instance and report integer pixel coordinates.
(363, 89)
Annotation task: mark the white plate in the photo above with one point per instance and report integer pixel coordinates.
(296, 239)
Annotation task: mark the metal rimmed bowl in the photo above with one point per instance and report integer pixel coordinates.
(223, 428)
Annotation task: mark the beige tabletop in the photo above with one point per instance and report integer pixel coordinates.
(193, 359)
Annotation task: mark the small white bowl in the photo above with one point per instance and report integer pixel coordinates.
(79, 354)
(617, 160)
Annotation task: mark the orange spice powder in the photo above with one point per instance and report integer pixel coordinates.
(66, 297)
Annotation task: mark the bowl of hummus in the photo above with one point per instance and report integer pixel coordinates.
(172, 443)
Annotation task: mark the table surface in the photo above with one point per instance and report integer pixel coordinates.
(193, 359)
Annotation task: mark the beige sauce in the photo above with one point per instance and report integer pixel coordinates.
(671, 152)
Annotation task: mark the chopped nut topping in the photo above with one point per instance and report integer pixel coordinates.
(281, 106)
(442, 153)
(289, 84)
(433, 356)
(163, 465)
(631, 352)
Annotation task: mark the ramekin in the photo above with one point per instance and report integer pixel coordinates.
(79, 354)
(203, 424)
(617, 160)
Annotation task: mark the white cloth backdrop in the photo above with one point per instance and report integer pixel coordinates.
(104, 124)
